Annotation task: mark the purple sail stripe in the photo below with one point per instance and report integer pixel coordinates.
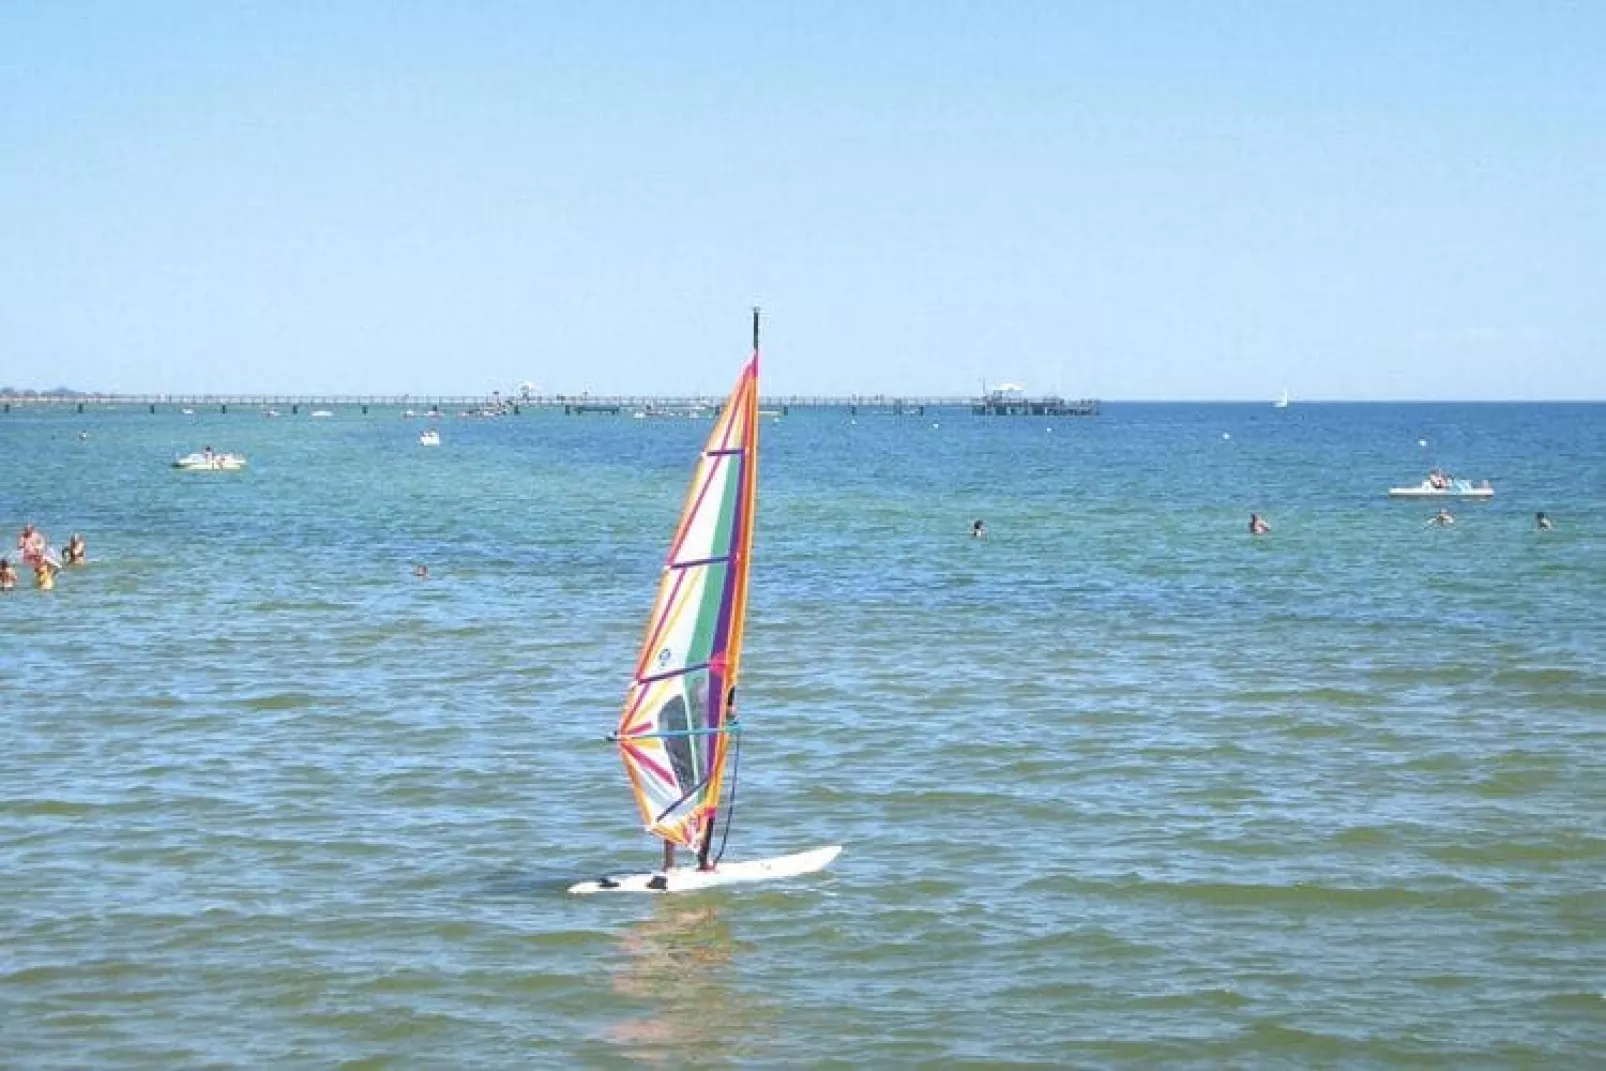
(692, 564)
(672, 673)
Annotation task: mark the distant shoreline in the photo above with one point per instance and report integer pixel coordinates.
(12, 397)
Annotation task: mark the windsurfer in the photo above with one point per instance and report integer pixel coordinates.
(704, 850)
(728, 724)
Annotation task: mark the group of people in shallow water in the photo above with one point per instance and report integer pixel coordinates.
(1258, 525)
(1442, 519)
(33, 548)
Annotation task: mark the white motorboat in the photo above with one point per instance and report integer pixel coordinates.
(429, 438)
(1444, 488)
(207, 461)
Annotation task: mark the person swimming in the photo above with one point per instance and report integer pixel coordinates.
(44, 575)
(1443, 518)
(8, 575)
(978, 529)
(1258, 525)
(31, 544)
(77, 552)
(1542, 522)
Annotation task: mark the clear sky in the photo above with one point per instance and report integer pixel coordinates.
(1129, 200)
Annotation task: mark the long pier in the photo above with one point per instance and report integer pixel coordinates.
(576, 404)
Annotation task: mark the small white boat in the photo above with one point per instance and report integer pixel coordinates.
(429, 438)
(1430, 488)
(210, 462)
(322, 413)
(1282, 400)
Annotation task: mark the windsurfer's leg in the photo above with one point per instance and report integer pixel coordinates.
(703, 852)
(669, 855)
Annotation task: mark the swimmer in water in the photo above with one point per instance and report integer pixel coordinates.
(31, 543)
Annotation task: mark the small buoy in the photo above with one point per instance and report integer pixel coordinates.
(1226, 435)
(1421, 442)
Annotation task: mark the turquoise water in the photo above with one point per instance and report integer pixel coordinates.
(1119, 785)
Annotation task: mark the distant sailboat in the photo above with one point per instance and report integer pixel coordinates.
(679, 720)
(1282, 400)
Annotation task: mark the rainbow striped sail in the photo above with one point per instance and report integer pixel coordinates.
(678, 722)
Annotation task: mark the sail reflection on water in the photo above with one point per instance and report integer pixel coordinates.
(681, 963)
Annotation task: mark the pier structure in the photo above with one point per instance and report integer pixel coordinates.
(497, 404)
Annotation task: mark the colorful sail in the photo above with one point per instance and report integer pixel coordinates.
(677, 722)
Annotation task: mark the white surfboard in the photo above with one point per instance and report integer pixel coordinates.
(690, 879)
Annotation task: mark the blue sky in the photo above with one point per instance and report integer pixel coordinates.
(1126, 200)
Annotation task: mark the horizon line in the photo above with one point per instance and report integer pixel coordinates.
(65, 395)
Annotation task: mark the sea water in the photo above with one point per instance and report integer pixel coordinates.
(1119, 784)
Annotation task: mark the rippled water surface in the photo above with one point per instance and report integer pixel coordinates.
(1118, 785)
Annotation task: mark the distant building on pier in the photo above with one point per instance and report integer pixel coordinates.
(1009, 399)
